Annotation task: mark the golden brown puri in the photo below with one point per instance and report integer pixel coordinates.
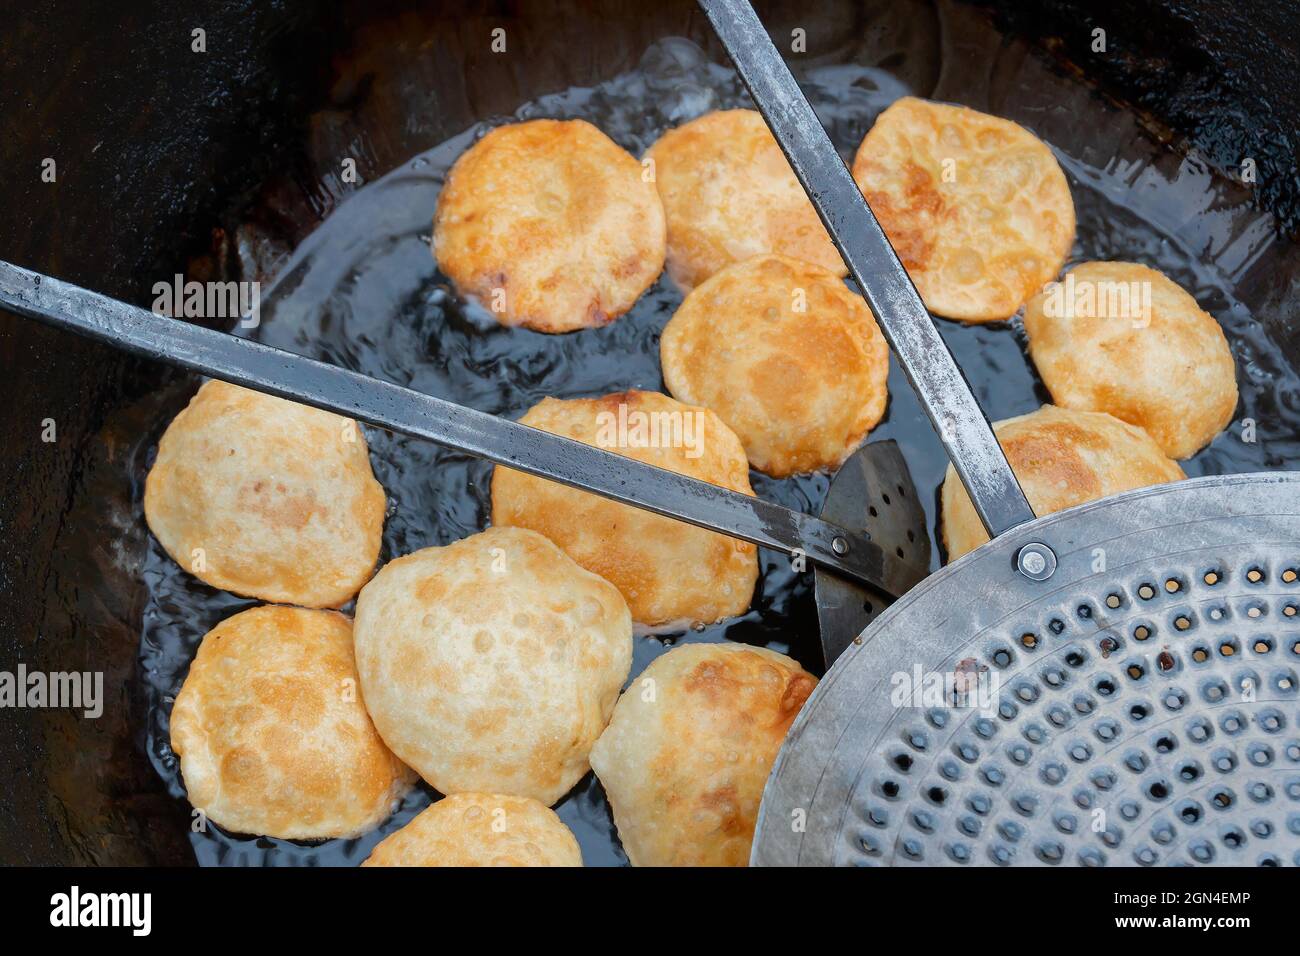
(976, 207)
(1062, 458)
(550, 225)
(1120, 338)
(492, 664)
(266, 498)
(786, 355)
(480, 829)
(685, 758)
(668, 571)
(729, 194)
(271, 732)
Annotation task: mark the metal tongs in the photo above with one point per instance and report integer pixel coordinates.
(845, 551)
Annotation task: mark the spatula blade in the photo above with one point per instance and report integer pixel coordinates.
(873, 490)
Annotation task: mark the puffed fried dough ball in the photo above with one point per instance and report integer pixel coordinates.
(1121, 338)
(669, 572)
(480, 829)
(976, 207)
(271, 732)
(686, 757)
(266, 498)
(551, 225)
(492, 664)
(729, 194)
(1062, 458)
(786, 355)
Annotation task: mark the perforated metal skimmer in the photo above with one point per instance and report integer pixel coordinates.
(1140, 710)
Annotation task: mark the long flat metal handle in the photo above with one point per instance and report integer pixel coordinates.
(276, 372)
(921, 351)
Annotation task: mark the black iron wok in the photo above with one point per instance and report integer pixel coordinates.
(214, 164)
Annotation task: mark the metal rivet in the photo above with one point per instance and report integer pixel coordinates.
(839, 546)
(1036, 561)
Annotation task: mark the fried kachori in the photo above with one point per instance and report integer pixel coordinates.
(266, 498)
(668, 571)
(492, 664)
(1121, 338)
(686, 756)
(480, 829)
(550, 225)
(786, 355)
(272, 734)
(976, 207)
(729, 194)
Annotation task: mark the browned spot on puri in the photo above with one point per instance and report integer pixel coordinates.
(907, 227)
(279, 509)
(1054, 459)
(797, 691)
(298, 699)
(1119, 401)
(712, 680)
(630, 266)
(488, 720)
(780, 384)
(612, 402)
(430, 589)
(921, 194)
(725, 801)
(241, 766)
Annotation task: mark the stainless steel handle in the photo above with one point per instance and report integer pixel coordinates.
(938, 382)
(300, 379)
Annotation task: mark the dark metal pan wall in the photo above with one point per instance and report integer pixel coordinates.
(161, 151)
